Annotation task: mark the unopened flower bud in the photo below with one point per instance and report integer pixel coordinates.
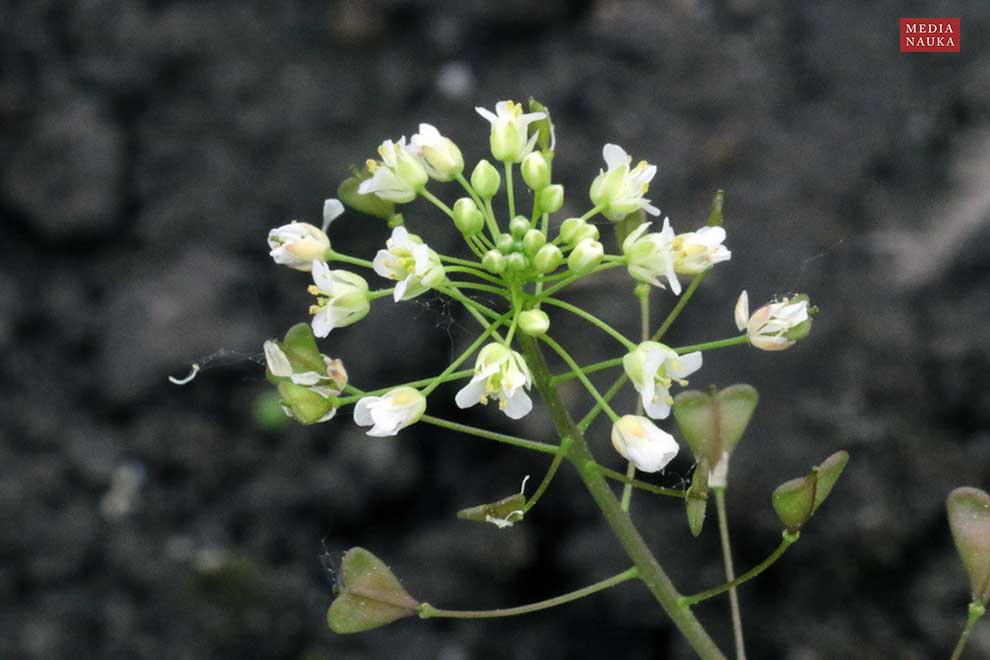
(535, 171)
(297, 245)
(551, 198)
(494, 262)
(467, 217)
(534, 322)
(533, 240)
(505, 243)
(518, 227)
(586, 230)
(639, 441)
(485, 179)
(586, 256)
(517, 262)
(548, 258)
(569, 229)
(440, 156)
(389, 414)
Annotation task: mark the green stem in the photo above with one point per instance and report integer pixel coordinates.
(354, 261)
(492, 222)
(436, 202)
(650, 571)
(584, 379)
(730, 573)
(455, 260)
(508, 189)
(459, 178)
(497, 290)
(681, 302)
(358, 394)
(596, 409)
(594, 320)
(462, 357)
(548, 477)
(710, 345)
(472, 306)
(574, 278)
(381, 293)
(427, 611)
(516, 309)
(789, 539)
(544, 447)
(637, 483)
(976, 611)
(474, 273)
(590, 369)
(592, 212)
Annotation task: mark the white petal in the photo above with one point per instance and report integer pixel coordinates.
(470, 394)
(278, 362)
(332, 208)
(518, 405)
(322, 277)
(649, 208)
(688, 364)
(400, 289)
(323, 322)
(306, 378)
(487, 114)
(657, 408)
(362, 413)
(615, 156)
(742, 311)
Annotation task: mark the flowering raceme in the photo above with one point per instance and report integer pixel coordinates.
(518, 266)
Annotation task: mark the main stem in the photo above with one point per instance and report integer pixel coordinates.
(650, 571)
(730, 574)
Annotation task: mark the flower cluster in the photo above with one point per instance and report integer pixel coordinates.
(524, 258)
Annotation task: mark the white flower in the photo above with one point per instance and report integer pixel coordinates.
(697, 251)
(651, 256)
(620, 190)
(440, 156)
(500, 372)
(389, 414)
(638, 440)
(398, 177)
(653, 367)
(310, 391)
(510, 140)
(297, 245)
(775, 326)
(329, 381)
(410, 262)
(341, 299)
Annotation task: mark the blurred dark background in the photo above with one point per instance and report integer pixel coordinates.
(148, 147)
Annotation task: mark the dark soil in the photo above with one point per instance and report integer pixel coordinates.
(149, 146)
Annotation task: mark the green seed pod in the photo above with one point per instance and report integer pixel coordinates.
(485, 179)
(533, 240)
(969, 520)
(494, 262)
(551, 198)
(548, 258)
(518, 227)
(369, 595)
(798, 499)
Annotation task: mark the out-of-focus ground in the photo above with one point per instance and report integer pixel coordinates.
(148, 147)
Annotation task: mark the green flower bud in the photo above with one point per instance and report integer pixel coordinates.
(369, 595)
(518, 227)
(533, 240)
(517, 262)
(542, 127)
(569, 229)
(535, 171)
(586, 256)
(370, 204)
(505, 243)
(551, 198)
(969, 520)
(586, 230)
(485, 179)
(548, 258)
(534, 322)
(303, 404)
(494, 262)
(467, 218)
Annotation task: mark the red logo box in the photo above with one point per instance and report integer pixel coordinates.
(929, 35)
